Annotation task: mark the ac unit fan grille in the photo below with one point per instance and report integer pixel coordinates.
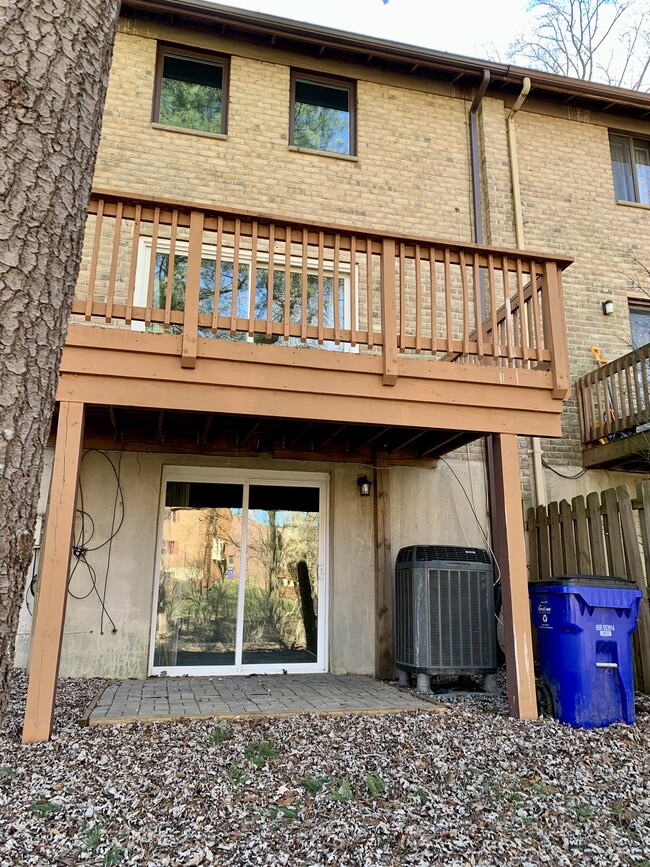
(404, 603)
(440, 553)
(459, 617)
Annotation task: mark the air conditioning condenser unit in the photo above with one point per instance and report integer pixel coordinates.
(444, 613)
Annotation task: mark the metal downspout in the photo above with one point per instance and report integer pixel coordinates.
(473, 138)
(478, 237)
(536, 448)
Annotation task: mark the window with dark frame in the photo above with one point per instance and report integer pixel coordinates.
(639, 322)
(322, 114)
(191, 90)
(630, 168)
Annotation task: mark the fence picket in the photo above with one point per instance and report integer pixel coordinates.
(568, 538)
(641, 638)
(555, 533)
(598, 554)
(544, 570)
(612, 533)
(583, 551)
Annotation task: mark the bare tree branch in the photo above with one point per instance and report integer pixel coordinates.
(603, 40)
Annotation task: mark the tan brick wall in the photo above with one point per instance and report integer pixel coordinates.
(496, 187)
(569, 207)
(411, 174)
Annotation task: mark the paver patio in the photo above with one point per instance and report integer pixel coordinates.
(260, 695)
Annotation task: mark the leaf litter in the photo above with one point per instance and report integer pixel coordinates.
(467, 787)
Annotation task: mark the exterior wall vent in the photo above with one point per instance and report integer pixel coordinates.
(444, 610)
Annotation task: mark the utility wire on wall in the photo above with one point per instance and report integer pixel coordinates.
(81, 546)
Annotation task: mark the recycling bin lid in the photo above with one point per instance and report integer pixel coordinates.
(586, 581)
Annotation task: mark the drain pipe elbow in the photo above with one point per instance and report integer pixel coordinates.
(525, 90)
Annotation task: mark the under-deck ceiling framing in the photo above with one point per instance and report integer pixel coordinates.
(244, 436)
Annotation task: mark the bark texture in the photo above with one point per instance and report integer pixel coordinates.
(54, 62)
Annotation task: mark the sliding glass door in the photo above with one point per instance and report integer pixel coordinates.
(241, 574)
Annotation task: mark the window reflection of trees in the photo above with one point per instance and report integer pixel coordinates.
(206, 296)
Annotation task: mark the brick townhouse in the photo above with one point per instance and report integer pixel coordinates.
(326, 294)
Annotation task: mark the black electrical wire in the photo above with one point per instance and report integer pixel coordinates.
(93, 586)
(119, 495)
(496, 585)
(562, 475)
(81, 547)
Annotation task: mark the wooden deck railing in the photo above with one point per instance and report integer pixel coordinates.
(204, 272)
(615, 398)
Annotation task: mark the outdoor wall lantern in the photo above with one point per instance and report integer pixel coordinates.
(363, 483)
(608, 307)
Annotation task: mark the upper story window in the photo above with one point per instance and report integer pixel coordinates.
(322, 113)
(631, 168)
(191, 90)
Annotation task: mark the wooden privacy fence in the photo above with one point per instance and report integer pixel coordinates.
(602, 534)
(204, 272)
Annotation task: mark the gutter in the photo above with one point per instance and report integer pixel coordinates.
(605, 97)
(262, 22)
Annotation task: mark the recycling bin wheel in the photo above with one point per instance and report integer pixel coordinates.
(545, 704)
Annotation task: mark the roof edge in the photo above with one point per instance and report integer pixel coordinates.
(193, 10)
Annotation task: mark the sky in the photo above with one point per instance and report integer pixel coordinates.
(470, 27)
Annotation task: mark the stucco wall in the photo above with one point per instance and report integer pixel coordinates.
(427, 507)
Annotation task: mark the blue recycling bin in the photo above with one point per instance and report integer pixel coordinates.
(584, 630)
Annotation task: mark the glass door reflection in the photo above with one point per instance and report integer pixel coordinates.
(198, 590)
(281, 587)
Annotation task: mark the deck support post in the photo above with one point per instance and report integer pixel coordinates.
(510, 551)
(384, 653)
(53, 584)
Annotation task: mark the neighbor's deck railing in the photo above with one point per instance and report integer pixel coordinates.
(265, 279)
(615, 398)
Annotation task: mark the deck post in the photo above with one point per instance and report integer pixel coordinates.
(508, 525)
(384, 653)
(53, 584)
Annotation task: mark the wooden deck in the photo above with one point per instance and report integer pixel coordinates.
(296, 339)
(263, 316)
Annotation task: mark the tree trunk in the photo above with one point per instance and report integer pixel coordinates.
(54, 62)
